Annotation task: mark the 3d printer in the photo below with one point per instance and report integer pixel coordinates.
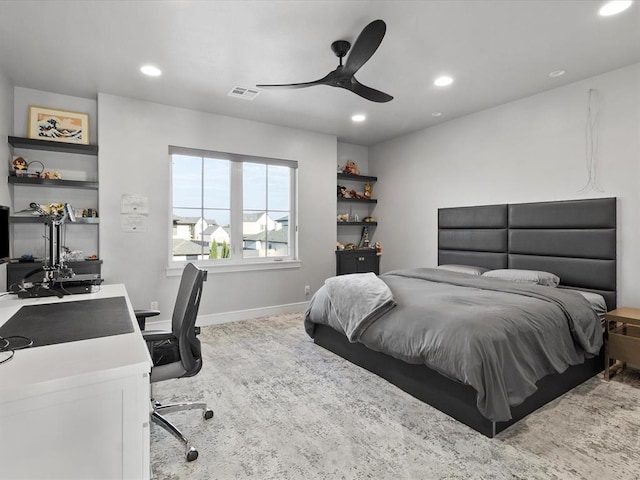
(59, 279)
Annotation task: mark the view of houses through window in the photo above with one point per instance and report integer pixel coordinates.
(231, 207)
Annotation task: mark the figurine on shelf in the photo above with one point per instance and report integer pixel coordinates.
(364, 240)
(20, 166)
(350, 168)
(378, 248)
(367, 190)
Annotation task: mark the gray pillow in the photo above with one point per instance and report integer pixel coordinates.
(525, 276)
(471, 270)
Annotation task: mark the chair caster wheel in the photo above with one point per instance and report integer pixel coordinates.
(208, 414)
(192, 454)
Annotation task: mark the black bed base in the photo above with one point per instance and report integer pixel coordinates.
(453, 398)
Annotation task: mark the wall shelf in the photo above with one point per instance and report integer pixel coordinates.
(356, 223)
(15, 180)
(48, 145)
(358, 200)
(27, 189)
(37, 219)
(356, 178)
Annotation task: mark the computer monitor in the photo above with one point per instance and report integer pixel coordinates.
(4, 232)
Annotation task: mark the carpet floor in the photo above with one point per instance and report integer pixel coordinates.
(288, 409)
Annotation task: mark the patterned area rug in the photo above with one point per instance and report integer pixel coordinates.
(288, 409)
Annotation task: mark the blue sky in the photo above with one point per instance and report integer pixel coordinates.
(188, 176)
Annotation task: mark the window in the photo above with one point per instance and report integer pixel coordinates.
(231, 209)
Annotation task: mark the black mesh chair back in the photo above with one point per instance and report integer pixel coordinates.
(183, 321)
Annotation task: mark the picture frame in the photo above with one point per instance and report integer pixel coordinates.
(58, 125)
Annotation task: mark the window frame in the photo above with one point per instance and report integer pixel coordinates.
(237, 262)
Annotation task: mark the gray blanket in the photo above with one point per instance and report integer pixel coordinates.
(358, 300)
(499, 337)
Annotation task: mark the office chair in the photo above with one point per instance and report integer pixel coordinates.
(177, 354)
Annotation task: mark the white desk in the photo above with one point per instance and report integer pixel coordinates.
(76, 410)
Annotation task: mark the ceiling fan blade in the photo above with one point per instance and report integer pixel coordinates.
(326, 80)
(368, 92)
(365, 46)
(291, 85)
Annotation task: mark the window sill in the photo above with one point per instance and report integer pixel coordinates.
(225, 267)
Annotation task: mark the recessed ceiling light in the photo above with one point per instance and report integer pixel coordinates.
(358, 118)
(436, 114)
(443, 81)
(613, 7)
(557, 73)
(151, 70)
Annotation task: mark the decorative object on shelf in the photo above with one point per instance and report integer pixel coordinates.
(50, 175)
(350, 246)
(342, 192)
(350, 168)
(369, 219)
(58, 125)
(378, 248)
(34, 172)
(367, 190)
(364, 238)
(343, 217)
(354, 194)
(20, 166)
(339, 246)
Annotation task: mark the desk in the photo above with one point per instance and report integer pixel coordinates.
(76, 410)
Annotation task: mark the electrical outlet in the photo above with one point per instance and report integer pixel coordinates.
(307, 290)
(154, 305)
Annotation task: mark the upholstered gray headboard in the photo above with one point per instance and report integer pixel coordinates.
(473, 236)
(574, 239)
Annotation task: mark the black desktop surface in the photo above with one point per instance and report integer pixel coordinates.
(63, 322)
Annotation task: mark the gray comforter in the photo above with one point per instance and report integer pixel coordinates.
(499, 337)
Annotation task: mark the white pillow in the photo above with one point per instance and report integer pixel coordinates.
(524, 276)
(471, 270)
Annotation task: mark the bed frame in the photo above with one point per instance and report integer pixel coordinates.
(574, 239)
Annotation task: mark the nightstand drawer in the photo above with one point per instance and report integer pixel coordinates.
(624, 344)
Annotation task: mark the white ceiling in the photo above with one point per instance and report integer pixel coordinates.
(497, 51)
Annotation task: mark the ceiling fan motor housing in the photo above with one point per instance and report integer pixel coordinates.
(340, 48)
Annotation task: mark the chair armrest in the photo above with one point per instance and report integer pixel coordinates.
(142, 315)
(146, 313)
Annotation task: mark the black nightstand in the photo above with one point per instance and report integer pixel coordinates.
(357, 261)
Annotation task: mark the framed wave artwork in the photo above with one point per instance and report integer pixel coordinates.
(58, 125)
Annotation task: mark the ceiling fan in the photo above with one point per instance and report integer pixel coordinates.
(343, 76)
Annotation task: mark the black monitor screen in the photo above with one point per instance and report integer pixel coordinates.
(4, 232)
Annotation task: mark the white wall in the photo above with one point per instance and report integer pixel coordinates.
(6, 122)
(524, 151)
(357, 153)
(134, 139)
(6, 129)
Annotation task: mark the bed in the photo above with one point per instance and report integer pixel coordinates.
(575, 240)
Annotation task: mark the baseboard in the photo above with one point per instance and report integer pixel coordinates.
(239, 315)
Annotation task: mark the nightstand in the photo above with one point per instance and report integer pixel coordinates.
(623, 339)
(359, 260)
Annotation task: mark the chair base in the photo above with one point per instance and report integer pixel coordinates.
(156, 417)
